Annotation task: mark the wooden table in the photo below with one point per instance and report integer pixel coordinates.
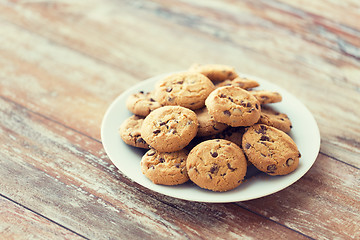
(63, 62)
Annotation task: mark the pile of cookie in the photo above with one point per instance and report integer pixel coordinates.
(208, 124)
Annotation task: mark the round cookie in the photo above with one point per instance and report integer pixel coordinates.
(218, 165)
(186, 89)
(215, 72)
(169, 128)
(240, 82)
(165, 168)
(142, 103)
(270, 150)
(233, 106)
(207, 125)
(265, 97)
(130, 132)
(275, 119)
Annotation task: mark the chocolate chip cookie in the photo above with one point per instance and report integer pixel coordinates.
(215, 72)
(241, 82)
(270, 150)
(142, 103)
(186, 89)
(130, 132)
(233, 106)
(217, 165)
(165, 168)
(275, 119)
(207, 124)
(266, 97)
(169, 128)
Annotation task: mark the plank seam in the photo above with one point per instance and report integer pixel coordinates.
(258, 214)
(338, 160)
(39, 214)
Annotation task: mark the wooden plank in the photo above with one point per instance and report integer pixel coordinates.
(98, 74)
(324, 204)
(68, 179)
(18, 223)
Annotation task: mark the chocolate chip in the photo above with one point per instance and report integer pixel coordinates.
(257, 106)
(152, 100)
(299, 155)
(248, 104)
(262, 129)
(227, 112)
(229, 167)
(214, 168)
(151, 153)
(142, 92)
(177, 165)
(215, 128)
(290, 162)
(282, 119)
(161, 160)
(162, 123)
(214, 154)
(140, 140)
(180, 82)
(264, 138)
(210, 176)
(232, 100)
(156, 131)
(152, 167)
(169, 89)
(247, 145)
(222, 96)
(271, 168)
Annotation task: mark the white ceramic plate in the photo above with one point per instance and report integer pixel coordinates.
(305, 133)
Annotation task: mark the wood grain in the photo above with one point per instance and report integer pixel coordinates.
(63, 62)
(20, 223)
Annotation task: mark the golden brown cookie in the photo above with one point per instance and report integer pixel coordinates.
(186, 89)
(233, 106)
(165, 168)
(217, 165)
(241, 82)
(130, 132)
(169, 128)
(215, 72)
(275, 119)
(266, 97)
(142, 103)
(207, 124)
(270, 150)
